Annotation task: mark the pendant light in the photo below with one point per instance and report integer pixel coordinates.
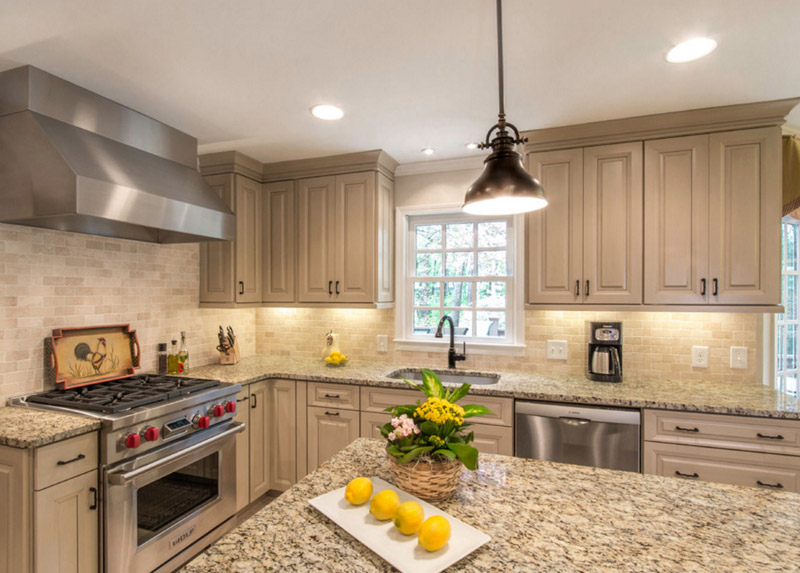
(504, 187)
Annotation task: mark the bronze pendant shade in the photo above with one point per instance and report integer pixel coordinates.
(504, 187)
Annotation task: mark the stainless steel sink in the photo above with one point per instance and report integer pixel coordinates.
(478, 379)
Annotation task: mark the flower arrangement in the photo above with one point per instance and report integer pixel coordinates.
(434, 429)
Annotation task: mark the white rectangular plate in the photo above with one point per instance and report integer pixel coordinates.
(382, 537)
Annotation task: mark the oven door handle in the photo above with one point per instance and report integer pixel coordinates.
(122, 478)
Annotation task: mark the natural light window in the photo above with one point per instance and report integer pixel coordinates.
(786, 324)
(462, 266)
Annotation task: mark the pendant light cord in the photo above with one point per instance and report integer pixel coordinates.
(502, 113)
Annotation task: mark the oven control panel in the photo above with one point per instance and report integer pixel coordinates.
(176, 427)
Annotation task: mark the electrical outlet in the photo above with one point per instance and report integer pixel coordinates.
(739, 357)
(383, 343)
(556, 349)
(699, 356)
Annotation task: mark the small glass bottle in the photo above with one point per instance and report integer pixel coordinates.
(162, 358)
(183, 355)
(172, 359)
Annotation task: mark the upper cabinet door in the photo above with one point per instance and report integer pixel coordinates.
(676, 221)
(216, 257)
(248, 240)
(354, 245)
(745, 214)
(554, 234)
(315, 241)
(278, 231)
(612, 223)
(384, 198)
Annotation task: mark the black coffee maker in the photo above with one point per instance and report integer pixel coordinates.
(605, 352)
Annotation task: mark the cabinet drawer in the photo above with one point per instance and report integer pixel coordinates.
(370, 422)
(376, 399)
(336, 395)
(732, 432)
(57, 462)
(491, 439)
(768, 471)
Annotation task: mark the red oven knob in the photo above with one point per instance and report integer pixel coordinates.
(218, 411)
(230, 407)
(151, 434)
(132, 441)
(203, 421)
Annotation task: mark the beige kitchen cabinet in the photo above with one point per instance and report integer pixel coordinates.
(283, 434)
(712, 210)
(329, 430)
(259, 400)
(66, 523)
(586, 246)
(493, 439)
(16, 520)
(231, 272)
(370, 422)
(243, 449)
(344, 243)
(758, 452)
(278, 242)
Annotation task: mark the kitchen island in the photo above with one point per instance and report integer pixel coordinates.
(541, 517)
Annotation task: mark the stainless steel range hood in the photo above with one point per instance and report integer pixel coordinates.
(75, 161)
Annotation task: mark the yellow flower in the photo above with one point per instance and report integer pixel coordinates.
(440, 411)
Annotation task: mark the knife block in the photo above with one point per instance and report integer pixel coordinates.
(232, 356)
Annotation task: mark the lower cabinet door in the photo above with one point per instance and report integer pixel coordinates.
(329, 430)
(370, 422)
(243, 449)
(66, 526)
(493, 439)
(768, 471)
(259, 440)
(283, 434)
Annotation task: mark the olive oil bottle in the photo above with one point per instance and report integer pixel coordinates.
(183, 356)
(172, 359)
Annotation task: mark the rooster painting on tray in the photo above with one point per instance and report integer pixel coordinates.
(84, 352)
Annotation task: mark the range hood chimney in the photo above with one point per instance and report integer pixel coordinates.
(75, 161)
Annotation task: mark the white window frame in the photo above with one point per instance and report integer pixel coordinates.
(514, 343)
(772, 375)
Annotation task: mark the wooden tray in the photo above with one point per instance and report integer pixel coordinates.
(88, 355)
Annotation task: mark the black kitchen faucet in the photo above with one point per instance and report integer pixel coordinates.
(452, 355)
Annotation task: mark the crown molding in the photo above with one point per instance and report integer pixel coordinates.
(229, 162)
(374, 160)
(440, 165)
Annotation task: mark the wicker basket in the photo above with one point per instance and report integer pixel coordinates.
(432, 481)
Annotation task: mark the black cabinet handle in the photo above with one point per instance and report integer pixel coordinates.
(77, 458)
(695, 430)
(703, 287)
(695, 475)
(714, 287)
(330, 287)
(245, 399)
(255, 401)
(587, 288)
(241, 287)
(93, 490)
(331, 395)
(337, 287)
(331, 413)
(578, 287)
(764, 436)
(772, 485)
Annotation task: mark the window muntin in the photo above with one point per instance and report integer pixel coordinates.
(462, 266)
(788, 323)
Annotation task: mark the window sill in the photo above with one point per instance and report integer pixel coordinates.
(474, 347)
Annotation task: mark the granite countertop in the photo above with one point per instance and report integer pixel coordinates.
(30, 428)
(709, 397)
(541, 516)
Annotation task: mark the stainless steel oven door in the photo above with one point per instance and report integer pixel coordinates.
(160, 503)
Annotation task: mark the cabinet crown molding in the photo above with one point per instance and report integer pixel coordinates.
(662, 125)
(229, 162)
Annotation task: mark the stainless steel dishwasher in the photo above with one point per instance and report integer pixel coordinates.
(582, 435)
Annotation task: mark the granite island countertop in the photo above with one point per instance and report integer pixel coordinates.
(32, 428)
(710, 397)
(541, 516)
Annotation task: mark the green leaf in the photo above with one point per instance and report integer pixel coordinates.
(415, 453)
(398, 411)
(459, 393)
(456, 439)
(469, 438)
(429, 428)
(473, 410)
(407, 447)
(394, 450)
(417, 386)
(384, 432)
(445, 454)
(467, 454)
(431, 384)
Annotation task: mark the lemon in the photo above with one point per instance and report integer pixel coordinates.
(384, 504)
(358, 491)
(408, 517)
(434, 533)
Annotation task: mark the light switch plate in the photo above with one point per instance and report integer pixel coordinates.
(739, 357)
(383, 343)
(699, 356)
(556, 349)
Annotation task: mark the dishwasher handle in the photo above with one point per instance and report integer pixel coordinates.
(574, 421)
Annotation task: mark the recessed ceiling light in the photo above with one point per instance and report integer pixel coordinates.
(327, 112)
(691, 50)
(471, 145)
(428, 150)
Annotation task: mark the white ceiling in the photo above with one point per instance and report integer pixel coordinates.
(242, 74)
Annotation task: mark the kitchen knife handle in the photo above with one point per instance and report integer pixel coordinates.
(702, 287)
(241, 287)
(330, 287)
(337, 287)
(695, 475)
(93, 490)
(578, 287)
(714, 287)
